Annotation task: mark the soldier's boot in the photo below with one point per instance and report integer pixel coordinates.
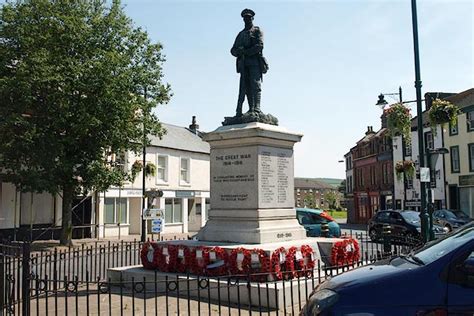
(256, 107)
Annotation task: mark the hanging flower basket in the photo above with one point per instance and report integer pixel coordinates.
(399, 121)
(406, 167)
(136, 168)
(442, 112)
(150, 169)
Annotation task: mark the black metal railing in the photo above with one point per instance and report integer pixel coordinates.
(75, 281)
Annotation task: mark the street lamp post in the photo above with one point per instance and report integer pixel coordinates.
(429, 154)
(143, 222)
(419, 111)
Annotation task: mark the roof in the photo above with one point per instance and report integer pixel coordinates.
(462, 99)
(180, 138)
(312, 183)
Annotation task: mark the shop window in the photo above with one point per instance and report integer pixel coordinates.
(173, 211)
(162, 169)
(184, 174)
(115, 211)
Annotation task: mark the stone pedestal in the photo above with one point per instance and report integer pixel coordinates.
(252, 185)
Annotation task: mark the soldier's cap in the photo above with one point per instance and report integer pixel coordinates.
(247, 12)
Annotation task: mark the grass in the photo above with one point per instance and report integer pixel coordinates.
(337, 214)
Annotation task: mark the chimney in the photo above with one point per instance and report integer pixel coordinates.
(194, 127)
(369, 130)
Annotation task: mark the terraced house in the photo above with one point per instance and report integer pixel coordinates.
(459, 140)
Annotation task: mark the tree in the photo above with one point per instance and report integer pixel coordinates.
(331, 197)
(309, 201)
(78, 82)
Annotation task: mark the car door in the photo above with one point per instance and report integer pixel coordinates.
(460, 290)
(397, 224)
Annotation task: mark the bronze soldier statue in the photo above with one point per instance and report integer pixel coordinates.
(251, 64)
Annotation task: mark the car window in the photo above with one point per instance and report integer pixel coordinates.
(436, 213)
(435, 250)
(450, 215)
(382, 217)
(395, 218)
(411, 217)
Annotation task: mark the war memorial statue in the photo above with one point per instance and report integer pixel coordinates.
(251, 65)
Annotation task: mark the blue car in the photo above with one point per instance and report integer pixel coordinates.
(312, 219)
(437, 279)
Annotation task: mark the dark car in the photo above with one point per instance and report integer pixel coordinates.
(437, 279)
(451, 219)
(404, 225)
(312, 219)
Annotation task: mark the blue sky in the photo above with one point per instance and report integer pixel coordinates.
(328, 62)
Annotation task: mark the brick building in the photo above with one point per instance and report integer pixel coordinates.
(372, 163)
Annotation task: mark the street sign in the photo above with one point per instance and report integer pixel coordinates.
(425, 174)
(156, 225)
(153, 213)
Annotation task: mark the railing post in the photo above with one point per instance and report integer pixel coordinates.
(2, 283)
(25, 286)
(387, 230)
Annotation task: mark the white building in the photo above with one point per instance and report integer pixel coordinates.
(407, 191)
(181, 160)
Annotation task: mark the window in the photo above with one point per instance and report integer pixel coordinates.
(115, 211)
(173, 211)
(385, 176)
(429, 143)
(453, 128)
(471, 157)
(407, 146)
(184, 170)
(409, 182)
(372, 175)
(454, 154)
(470, 121)
(162, 169)
(433, 177)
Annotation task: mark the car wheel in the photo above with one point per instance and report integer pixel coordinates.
(448, 227)
(373, 235)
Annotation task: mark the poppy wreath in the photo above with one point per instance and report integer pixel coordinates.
(198, 264)
(239, 265)
(281, 269)
(344, 252)
(259, 271)
(219, 254)
(182, 259)
(353, 255)
(149, 247)
(305, 265)
(163, 258)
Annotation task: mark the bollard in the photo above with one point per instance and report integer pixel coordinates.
(324, 230)
(387, 230)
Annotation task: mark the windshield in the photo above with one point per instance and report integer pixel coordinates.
(411, 217)
(435, 250)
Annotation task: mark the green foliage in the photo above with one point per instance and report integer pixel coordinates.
(309, 201)
(331, 197)
(150, 169)
(406, 167)
(78, 82)
(399, 121)
(442, 112)
(136, 168)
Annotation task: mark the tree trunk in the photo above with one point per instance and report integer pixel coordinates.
(66, 231)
